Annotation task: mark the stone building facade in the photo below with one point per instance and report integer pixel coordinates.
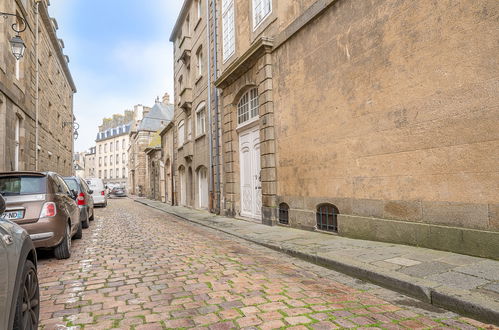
(247, 109)
(168, 157)
(155, 170)
(90, 163)
(141, 134)
(31, 94)
(192, 137)
(112, 142)
(368, 119)
(371, 119)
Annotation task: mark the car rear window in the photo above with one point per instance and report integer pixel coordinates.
(22, 185)
(72, 184)
(93, 184)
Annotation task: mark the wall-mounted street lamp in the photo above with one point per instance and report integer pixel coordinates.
(75, 126)
(16, 43)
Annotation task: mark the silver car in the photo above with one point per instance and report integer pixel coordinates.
(19, 289)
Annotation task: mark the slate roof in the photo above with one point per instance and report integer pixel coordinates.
(160, 115)
(112, 132)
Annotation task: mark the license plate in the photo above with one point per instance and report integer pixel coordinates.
(13, 215)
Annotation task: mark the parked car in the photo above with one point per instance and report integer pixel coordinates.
(118, 192)
(99, 191)
(19, 288)
(84, 200)
(42, 203)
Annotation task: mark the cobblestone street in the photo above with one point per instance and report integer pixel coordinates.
(137, 268)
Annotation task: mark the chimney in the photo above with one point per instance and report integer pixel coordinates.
(166, 98)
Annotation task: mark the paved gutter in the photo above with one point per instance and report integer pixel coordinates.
(462, 301)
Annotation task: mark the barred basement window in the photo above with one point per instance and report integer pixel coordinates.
(327, 217)
(284, 213)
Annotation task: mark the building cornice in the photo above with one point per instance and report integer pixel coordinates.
(166, 128)
(180, 19)
(303, 20)
(260, 47)
(47, 21)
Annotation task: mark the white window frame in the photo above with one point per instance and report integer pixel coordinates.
(199, 61)
(199, 9)
(189, 128)
(248, 106)
(201, 119)
(260, 12)
(228, 29)
(181, 133)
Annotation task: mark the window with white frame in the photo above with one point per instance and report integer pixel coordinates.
(261, 9)
(199, 61)
(247, 108)
(181, 133)
(201, 120)
(228, 29)
(199, 8)
(189, 129)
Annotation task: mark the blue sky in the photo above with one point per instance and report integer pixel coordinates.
(120, 55)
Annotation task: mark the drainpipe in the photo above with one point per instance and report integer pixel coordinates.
(210, 123)
(215, 76)
(37, 84)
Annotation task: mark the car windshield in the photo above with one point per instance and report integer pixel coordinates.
(22, 185)
(72, 184)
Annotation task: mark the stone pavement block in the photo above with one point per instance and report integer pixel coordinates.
(426, 269)
(486, 269)
(458, 280)
(403, 261)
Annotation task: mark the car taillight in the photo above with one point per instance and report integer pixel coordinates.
(48, 210)
(102, 193)
(81, 199)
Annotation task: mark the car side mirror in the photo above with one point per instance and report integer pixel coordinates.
(74, 194)
(90, 192)
(2, 205)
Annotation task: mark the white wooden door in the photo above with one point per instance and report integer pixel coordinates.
(203, 188)
(251, 188)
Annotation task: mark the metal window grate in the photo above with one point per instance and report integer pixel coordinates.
(327, 217)
(284, 213)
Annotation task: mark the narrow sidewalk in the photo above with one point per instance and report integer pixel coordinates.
(464, 284)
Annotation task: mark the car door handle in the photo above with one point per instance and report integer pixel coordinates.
(7, 239)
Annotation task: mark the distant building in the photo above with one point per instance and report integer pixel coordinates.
(79, 164)
(36, 94)
(112, 141)
(155, 169)
(90, 163)
(140, 136)
(168, 159)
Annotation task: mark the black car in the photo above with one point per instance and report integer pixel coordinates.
(84, 199)
(19, 288)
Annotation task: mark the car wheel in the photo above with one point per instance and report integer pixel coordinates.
(86, 223)
(92, 217)
(63, 250)
(28, 300)
(79, 231)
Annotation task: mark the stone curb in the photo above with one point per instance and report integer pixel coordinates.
(459, 301)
